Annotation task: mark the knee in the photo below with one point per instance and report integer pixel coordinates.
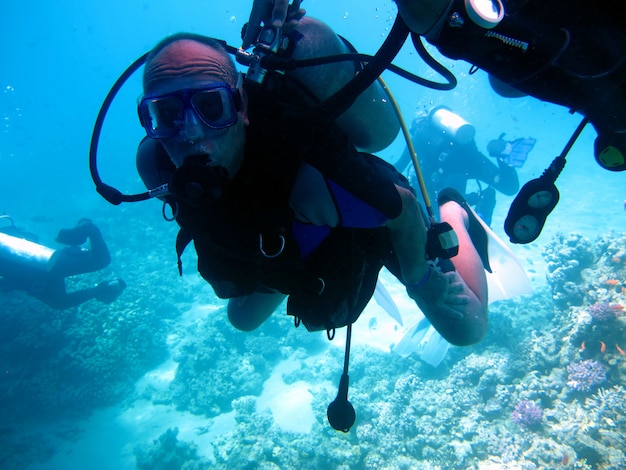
(470, 333)
(249, 312)
(241, 320)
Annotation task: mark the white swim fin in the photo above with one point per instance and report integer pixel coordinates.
(423, 339)
(384, 299)
(507, 278)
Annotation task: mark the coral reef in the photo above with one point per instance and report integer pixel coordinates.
(585, 376)
(504, 403)
(542, 390)
(527, 414)
(567, 256)
(602, 312)
(168, 453)
(60, 365)
(233, 363)
(64, 363)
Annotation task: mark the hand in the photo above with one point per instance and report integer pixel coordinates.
(442, 297)
(496, 147)
(277, 13)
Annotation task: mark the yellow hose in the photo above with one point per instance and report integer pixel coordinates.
(409, 143)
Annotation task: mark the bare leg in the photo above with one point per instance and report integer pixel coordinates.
(467, 262)
(458, 310)
(408, 238)
(456, 302)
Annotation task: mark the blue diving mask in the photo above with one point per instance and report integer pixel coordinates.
(163, 116)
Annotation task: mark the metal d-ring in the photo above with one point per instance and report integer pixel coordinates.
(280, 250)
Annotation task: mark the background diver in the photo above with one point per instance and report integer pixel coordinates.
(40, 270)
(448, 156)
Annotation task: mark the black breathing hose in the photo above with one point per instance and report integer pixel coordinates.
(109, 193)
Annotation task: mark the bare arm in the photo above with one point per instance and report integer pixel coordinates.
(408, 237)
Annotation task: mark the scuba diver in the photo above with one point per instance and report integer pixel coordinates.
(571, 53)
(275, 189)
(448, 157)
(268, 175)
(279, 204)
(40, 270)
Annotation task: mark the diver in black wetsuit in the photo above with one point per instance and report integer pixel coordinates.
(448, 157)
(282, 202)
(41, 271)
(279, 205)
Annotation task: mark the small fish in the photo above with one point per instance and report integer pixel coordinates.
(612, 282)
(616, 306)
(582, 346)
(616, 259)
(621, 351)
(602, 347)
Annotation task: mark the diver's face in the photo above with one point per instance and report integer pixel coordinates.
(190, 65)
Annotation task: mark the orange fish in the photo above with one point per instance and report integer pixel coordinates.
(616, 259)
(617, 306)
(612, 282)
(621, 351)
(602, 347)
(582, 346)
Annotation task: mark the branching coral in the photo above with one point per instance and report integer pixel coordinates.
(601, 312)
(567, 256)
(607, 407)
(167, 452)
(527, 414)
(585, 376)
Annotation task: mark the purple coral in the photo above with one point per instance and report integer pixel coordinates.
(584, 376)
(527, 414)
(601, 312)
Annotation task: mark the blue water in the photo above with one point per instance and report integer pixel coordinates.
(87, 388)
